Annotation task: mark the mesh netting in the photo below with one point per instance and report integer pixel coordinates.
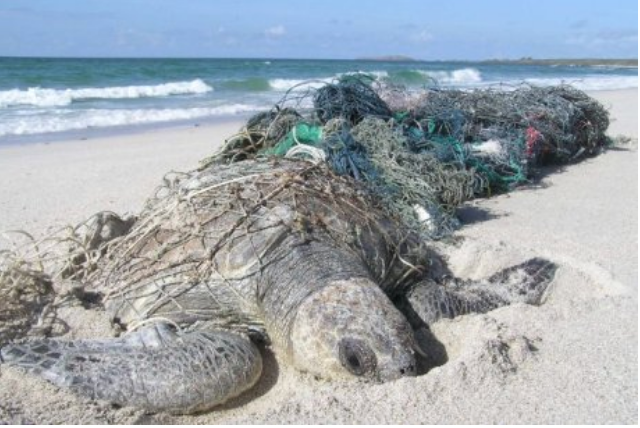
(426, 153)
(187, 257)
(409, 167)
(25, 292)
(262, 131)
(352, 98)
(416, 185)
(38, 275)
(559, 122)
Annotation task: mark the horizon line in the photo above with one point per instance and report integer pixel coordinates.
(381, 58)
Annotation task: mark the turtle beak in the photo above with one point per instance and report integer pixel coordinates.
(404, 366)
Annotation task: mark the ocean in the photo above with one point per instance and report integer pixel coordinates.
(47, 97)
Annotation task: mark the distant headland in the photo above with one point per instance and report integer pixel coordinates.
(614, 62)
(619, 62)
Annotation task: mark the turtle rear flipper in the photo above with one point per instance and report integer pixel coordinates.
(154, 368)
(524, 283)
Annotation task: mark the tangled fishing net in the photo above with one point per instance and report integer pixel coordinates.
(199, 232)
(207, 229)
(352, 98)
(66, 258)
(261, 131)
(25, 291)
(416, 157)
(415, 185)
(426, 153)
(556, 124)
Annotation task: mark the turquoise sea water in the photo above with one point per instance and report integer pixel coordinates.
(43, 95)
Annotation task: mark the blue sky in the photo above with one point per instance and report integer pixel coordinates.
(424, 29)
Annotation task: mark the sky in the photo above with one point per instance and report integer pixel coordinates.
(337, 29)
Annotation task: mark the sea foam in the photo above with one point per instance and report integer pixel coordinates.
(298, 84)
(462, 76)
(316, 83)
(44, 97)
(62, 120)
(589, 83)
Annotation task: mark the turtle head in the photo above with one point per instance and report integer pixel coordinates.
(351, 329)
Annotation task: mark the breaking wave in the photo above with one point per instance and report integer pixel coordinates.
(44, 97)
(598, 83)
(62, 120)
(298, 84)
(460, 77)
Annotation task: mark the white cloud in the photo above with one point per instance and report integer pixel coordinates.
(277, 31)
(423, 36)
(603, 39)
(618, 36)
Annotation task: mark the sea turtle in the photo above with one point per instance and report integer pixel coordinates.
(280, 252)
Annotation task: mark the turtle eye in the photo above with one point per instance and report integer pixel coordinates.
(357, 357)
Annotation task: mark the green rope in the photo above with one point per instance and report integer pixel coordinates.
(302, 133)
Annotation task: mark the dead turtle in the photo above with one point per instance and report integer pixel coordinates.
(281, 252)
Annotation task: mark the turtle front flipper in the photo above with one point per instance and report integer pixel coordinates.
(153, 368)
(525, 283)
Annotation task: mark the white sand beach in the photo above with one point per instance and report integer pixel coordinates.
(573, 360)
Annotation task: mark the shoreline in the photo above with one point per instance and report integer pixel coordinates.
(114, 173)
(107, 132)
(104, 133)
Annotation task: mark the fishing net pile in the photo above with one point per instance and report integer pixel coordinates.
(415, 157)
(506, 134)
(423, 154)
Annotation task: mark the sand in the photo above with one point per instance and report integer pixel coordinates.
(572, 360)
